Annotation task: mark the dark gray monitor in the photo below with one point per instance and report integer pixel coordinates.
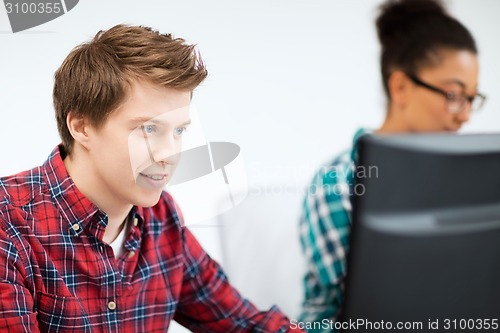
(425, 241)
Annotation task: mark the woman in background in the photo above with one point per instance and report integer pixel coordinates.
(430, 74)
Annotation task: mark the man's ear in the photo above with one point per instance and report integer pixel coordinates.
(399, 89)
(79, 128)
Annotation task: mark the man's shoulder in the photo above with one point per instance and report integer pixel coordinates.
(17, 195)
(21, 188)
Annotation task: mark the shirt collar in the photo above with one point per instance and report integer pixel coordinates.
(359, 133)
(75, 208)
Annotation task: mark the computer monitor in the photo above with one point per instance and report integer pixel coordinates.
(425, 241)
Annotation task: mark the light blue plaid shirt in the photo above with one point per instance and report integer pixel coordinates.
(324, 234)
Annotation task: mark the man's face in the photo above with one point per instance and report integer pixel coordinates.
(136, 151)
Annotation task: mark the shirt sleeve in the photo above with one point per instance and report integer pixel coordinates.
(208, 303)
(324, 235)
(16, 301)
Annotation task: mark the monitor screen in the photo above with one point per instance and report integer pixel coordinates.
(425, 240)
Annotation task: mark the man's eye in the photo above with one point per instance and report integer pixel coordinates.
(180, 130)
(149, 129)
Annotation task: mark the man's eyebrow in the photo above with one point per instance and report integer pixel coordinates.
(144, 120)
(186, 123)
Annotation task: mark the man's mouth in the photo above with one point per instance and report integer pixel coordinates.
(155, 176)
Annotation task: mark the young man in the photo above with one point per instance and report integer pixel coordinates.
(89, 241)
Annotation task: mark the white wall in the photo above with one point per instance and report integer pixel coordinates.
(290, 80)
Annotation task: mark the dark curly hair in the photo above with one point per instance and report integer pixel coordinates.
(413, 32)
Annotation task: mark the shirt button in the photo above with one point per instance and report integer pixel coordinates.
(111, 305)
(136, 220)
(131, 254)
(76, 227)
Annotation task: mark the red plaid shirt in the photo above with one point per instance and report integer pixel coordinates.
(57, 275)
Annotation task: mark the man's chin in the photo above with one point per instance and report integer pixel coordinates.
(148, 200)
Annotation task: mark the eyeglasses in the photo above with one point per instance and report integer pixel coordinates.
(456, 102)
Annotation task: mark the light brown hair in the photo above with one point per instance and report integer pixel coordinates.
(93, 79)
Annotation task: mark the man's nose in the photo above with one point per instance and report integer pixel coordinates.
(167, 152)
